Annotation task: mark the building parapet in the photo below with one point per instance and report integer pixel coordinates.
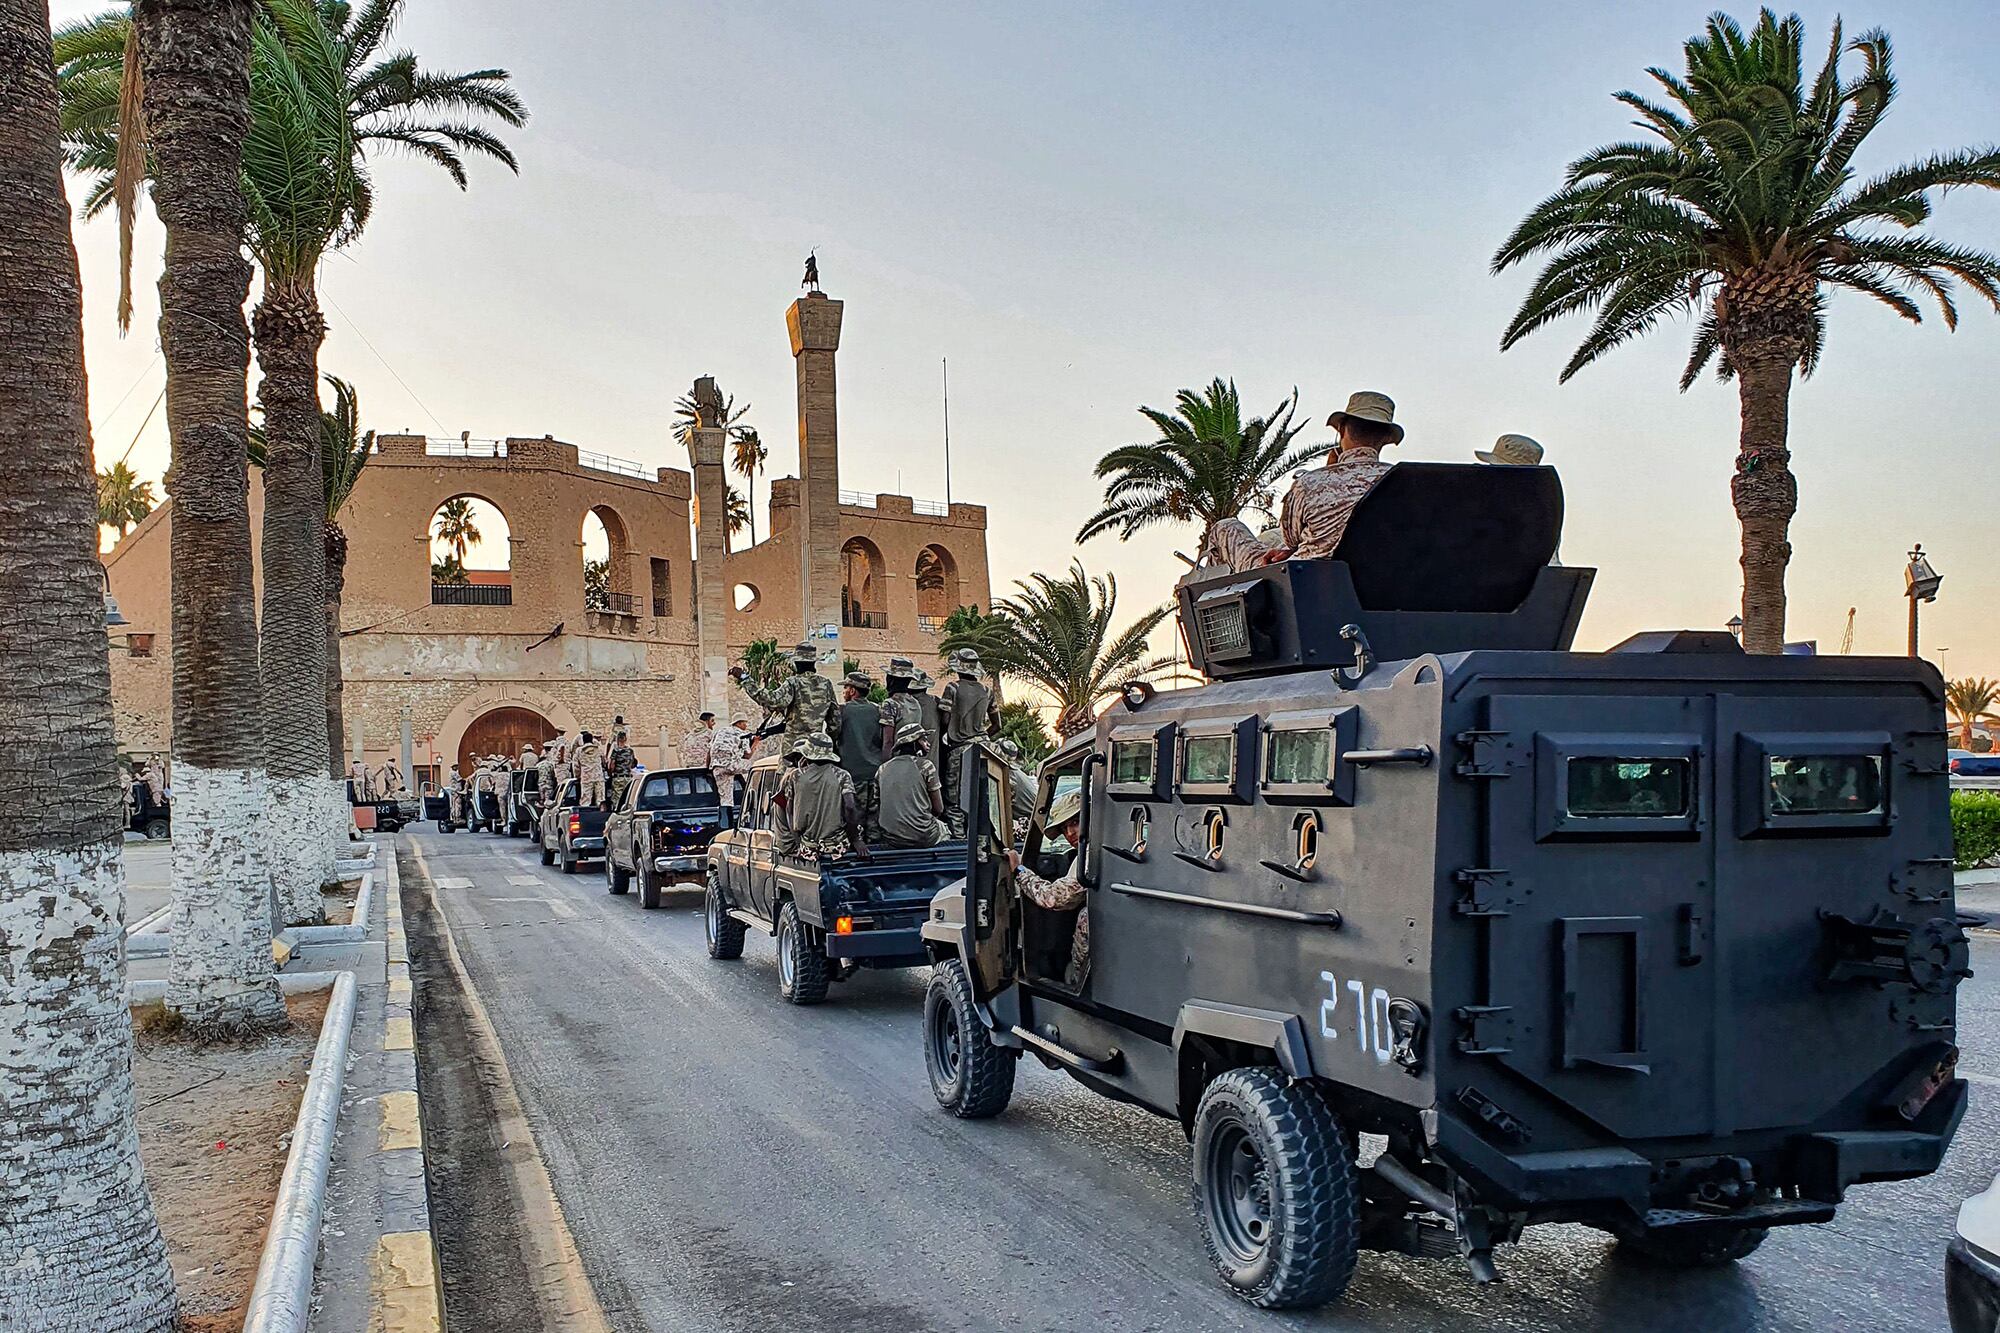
(516, 452)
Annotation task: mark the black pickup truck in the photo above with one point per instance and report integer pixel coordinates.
(661, 831)
(831, 918)
(571, 833)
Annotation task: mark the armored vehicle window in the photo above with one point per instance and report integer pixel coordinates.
(1608, 787)
(1302, 755)
(1208, 759)
(1299, 756)
(1826, 784)
(1132, 761)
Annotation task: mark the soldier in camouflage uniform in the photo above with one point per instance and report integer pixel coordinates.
(822, 818)
(1066, 891)
(901, 706)
(621, 763)
(545, 777)
(969, 714)
(804, 700)
(589, 761)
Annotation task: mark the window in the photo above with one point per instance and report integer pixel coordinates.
(139, 645)
(1132, 761)
(1208, 760)
(1300, 756)
(1205, 761)
(1825, 784)
(1611, 787)
(676, 791)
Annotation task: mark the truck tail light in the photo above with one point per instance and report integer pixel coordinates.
(575, 825)
(843, 925)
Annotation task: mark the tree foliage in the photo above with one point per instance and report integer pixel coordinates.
(122, 499)
(1970, 702)
(456, 526)
(1021, 723)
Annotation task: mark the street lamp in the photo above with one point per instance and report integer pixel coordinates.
(1735, 627)
(113, 617)
(1920, 584)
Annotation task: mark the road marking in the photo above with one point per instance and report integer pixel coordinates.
(402, 1122)
(452, 882)
(399, 991)
(527, 881)
(1990, 1080)
(556, 905)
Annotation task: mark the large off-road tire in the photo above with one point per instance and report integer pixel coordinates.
(566, 861)
(1679, 1247)
(157, 830)
(548, 857)
(616, 880)
(970, 1076)
(725, 932)
(801, 966)
(649, 886)
(1275, 1189)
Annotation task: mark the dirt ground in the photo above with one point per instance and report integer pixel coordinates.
(340, 902)
(215, 1124)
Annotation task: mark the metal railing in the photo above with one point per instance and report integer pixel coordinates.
(465, 448)
(859, 499)
(857, 619)
(472, 594)
(662, 607)
(623, 467)
(618, 603)
(932, 508)
(930, 624)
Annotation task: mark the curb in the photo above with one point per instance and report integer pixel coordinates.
(406, 1293)
(154, 990)
(281, 1300)
(151, 939)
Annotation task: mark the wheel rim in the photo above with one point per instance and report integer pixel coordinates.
(711, 920)
(1238, 1197)
(785, 952)
(947, 1047)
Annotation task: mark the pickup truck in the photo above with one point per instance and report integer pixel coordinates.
(831, 918)
(524, 809)
(661, 831)
(571, 833)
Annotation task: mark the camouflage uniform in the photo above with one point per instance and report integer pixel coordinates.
(545, 775)
(1060, 895)
(589, 760)
(805, 701)
(695, 747)
(728, 760)
(819, 796)
(621, 762)
(1231, 545)
(968, 713)
(1316, 509)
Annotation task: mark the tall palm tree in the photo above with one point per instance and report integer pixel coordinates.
(1970, 702)
(454, 525)
(194, 68)
(687, 415)
(738, 510)
(122, 499)
(1208, 464)
(1057, 635)
(75, 1192)
(1742, 210)
(747, 454)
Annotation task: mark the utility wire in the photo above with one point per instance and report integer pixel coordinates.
(146, 421)
(103, 421)
(385, 363)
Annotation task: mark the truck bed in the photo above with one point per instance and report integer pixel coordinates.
(883, 897)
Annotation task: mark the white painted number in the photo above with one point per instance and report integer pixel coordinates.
(1371, 1017)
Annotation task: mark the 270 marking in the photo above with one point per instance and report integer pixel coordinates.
(1371, 1016)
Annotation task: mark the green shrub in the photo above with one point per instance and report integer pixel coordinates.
(1975, 827)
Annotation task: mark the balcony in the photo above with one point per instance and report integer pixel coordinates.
(930, 624)
(472, 594)
(617, 603)
(855, 618)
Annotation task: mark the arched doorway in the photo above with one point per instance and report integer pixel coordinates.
(503, 731)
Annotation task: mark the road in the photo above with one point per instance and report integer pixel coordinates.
(727, 1162)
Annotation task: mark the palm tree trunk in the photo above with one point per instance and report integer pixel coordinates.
(336, 585)
(292, 647)
(1765, 492)
(195, 56)
(80, 1246)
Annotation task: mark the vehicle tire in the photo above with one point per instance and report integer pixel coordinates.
(970, 1076)
(616, 880)
(649, 887)
(157, 830)
(725, 932)
(1275, 1189)
(567, 860)
(1703, 1248)
(801, 967)
(548, 857)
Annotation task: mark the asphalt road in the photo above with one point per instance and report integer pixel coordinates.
(728, 1162)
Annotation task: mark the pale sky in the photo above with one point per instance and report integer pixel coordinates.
(1087, 207)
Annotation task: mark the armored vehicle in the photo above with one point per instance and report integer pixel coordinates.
(1659, 939)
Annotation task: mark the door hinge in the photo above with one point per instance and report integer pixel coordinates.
(1484, 1029)
(1479, 763)
(1483, 891)
(1909, 881)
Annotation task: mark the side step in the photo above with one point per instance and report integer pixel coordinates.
(750, 918)
(1110, 1064)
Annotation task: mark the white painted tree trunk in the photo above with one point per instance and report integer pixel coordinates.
(221, 982)
(295, 818)
(80, 1251)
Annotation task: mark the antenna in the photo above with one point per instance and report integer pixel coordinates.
(947, 431)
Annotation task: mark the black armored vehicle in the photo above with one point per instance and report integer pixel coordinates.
(1660, 939)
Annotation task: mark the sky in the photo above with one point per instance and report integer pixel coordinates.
(1086, 207)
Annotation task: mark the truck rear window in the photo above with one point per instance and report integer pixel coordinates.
(1825, 784)
(676, 791)
(1610, 787)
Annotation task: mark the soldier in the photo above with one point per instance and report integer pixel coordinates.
(901, 706)
(969, 714)
(1512, 450)
(1022, 792)
(822, 819)
(859, 740)
(589, 761)
(912, 799)
(1063, 892)
(545, 776)
(389, 780)
(804, 700)
(454, 794)
(696, 744)
(729, 757)
(621, 763)
(1316, 509)
(933, 718)
(361, 789)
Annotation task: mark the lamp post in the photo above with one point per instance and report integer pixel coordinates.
(1920, 584)
(1735, 627)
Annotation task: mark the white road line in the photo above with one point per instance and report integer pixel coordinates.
(556, 905)
(1990, 1080)
(452, 882)
(528, 881)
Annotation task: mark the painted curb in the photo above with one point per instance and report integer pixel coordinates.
(281, 1300)
(151, 939)
(406, 1294)
(154, 990)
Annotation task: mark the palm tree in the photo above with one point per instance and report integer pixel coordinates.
(76, 1199)
(1208, 464)
(1742, 210)
(747, 454)
(455, 527)
(1057, 635)
(194, 68)
(765, 662)
(122, 499)
(738, 510)
(1970, 702)
(449, 571)
(687, 415)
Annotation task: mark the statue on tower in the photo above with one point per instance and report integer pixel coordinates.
(812, 272)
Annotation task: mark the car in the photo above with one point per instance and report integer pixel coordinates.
(1972, 1265)
(1967, 764)
(1659, 940)
(660, 833)
(571, 833)
(830, 918)
(523, 805)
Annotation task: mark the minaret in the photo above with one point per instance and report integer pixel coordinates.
(814, 323)
(705, 443)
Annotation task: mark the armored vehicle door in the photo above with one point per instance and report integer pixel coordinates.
(1595, 896)
(991, 905)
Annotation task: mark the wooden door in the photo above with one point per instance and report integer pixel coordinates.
(503, 731)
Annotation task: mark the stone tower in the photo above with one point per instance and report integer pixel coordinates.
(711, 589)
(814, 323)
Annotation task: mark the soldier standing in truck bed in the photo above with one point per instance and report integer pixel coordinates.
(804, 699)
(822, 819)
(901, 706)
(969, 714)
(620, 763)
(859, 740)
(589, 761)
(932, 715)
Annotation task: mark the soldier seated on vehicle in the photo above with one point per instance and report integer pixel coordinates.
(1316, 509)
(1065, 891)
(822, 818)
(912, 798)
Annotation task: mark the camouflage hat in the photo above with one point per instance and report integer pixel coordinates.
(1376, 408)
(860, 680)
(1009, 748)
(911, 733)
(805, 652)
(901, 668)
(965, 661)
(922, 680)
(1067, 806)
(818, 746)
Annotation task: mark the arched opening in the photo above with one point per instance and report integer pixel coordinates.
(502, 731)
(607, 563)
(937, 588)
(471, 551)
(863, 599)
(746, 596)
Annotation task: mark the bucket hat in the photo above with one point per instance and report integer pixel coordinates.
(911, 733)
(1067, 806)
(859, 680)
(965, 661)
(900, 668)
(1511, 451)
(805, 652)
(818, 746)
(1367, 405)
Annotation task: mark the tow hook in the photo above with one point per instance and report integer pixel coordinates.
(1931, 956)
